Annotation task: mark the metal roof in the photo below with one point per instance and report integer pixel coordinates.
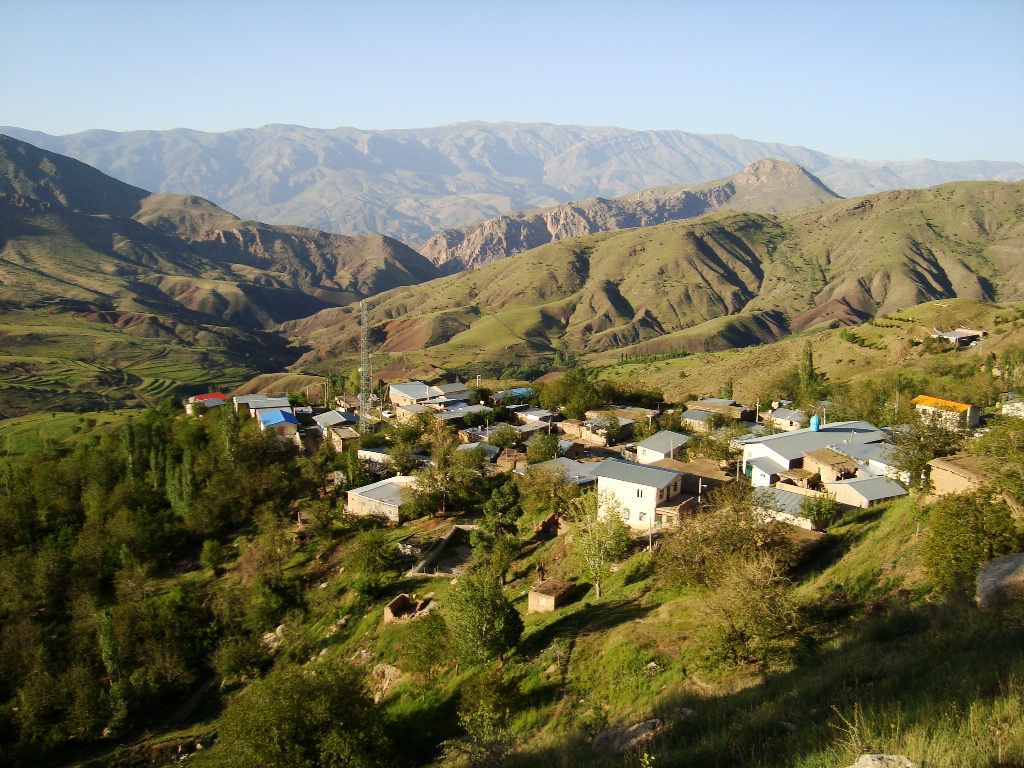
(793, 445)
(386, 491)
(788, 414)
(695, 414)
(780, 500)
(269, 418)
(638, 474)
(872, 488)
(937, 402)
(575, 471)
(664, 441)
(881, 453)
(333, 418)
(257, 402)
(490, 451)
(414, 390)
(718, 401)
(766, 465)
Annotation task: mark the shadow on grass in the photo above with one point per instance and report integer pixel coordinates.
(915, 680)
(587, 618)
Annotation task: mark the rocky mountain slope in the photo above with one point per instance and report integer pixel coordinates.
(410, 184)
(724, 279)
(767, 186)
(110, 293)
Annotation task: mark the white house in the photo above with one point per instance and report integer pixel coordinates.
(650, 496)
(381, 499)
(787, 419)
(281, 423)
(256, 403)
(865, 492)
(665, 444)
(951, 413)
(765, 458)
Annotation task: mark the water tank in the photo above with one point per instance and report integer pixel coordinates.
(815, 423)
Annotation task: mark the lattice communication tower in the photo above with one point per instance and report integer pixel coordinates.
(365, 368)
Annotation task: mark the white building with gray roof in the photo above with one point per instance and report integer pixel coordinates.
(649, 497)
(665, 444)
(382, 499)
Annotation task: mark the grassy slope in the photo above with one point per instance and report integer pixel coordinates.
(838, 263)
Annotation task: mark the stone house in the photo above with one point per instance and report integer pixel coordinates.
(549, 595)
(951, 413)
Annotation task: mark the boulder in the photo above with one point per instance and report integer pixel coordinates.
(883, 761)
(622, 739)
(1000, 581)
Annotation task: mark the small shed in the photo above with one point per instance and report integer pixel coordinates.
(549, 595)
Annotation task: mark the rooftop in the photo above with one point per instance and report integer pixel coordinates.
(793, 445)
(387, 491)
(414, 390)
(270, 418)
(695, 414)
(780, 500)
(944, 405)
(575, 471)
(334, 418)
(638, 474)
(554, 587)
(788, 414)
(664, 441)
(872, 488)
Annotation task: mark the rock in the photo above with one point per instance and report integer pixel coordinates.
(788, 727)
(605, 741)
(683, 713)
(272, 640)
(637, 735)
(384, 676)
(883, 761)
(323, 585)
(1000, 581)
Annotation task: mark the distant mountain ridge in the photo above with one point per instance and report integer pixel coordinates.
(411, 184)
(767, 186)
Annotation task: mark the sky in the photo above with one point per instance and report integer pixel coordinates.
(871, 80)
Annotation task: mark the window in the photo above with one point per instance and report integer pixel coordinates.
(639, 493)
(643, 516)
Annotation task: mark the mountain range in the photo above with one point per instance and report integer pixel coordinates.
(411, 184)
(767, 186)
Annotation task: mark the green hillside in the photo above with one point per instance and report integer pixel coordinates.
(720, 281)
(112, 294)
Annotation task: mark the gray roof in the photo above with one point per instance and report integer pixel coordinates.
(717, 401)
(415, 390)
(873, 488)
(788, 414)
(334, 418)
(664, 441)
(387, 491)
(881, 453)
(638, 474)
(255, 402)
(793, 445)
(490, 451)
(780, 500)
(575, 471)
(766, 465)
(695, 414)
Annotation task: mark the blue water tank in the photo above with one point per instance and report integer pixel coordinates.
(815, 423)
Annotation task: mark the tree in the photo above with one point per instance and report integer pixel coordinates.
(574, 392)
(610, 425)
(504, 437)
(820, 510)
(966, 530)
(483, 622)
(541, 448)
(501, 510)
(699, 550)
(599, 537)
(750, 617)
(924, 438)
(298, 718)
(452, 478)
(373, 555)
(544, 491)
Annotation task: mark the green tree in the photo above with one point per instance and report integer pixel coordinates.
(373, 556)
(820, 510)
(453, 477)
(300, 718)
(610, 425)
(574, 392)
(923, 438)
(541, 448)
(483, 622)
(504, 437)
(966, 530)
(599, 537)
(544, 491)
(698, 551)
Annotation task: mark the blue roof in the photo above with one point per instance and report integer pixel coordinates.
(270, 418)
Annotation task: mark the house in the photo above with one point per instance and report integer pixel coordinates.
(875, 460)
(255, 403)
(347, 402)
(281, 423)
(650, 497)
(665, 444)
(865, 492)
(776, 503)
(200, 403)
(698, 419)
(725, 406)
(418, 393)
(956, 474)
(1012, 407)
(516, 393)
(409, 413)
(766, 458)
(573, 471)
(325, 421)
(382, 499)
(534, 416)
(342, 438)
(829, 465)
(460, 410)
(952, 414)
(960, 337)
(490, 452)
(787, 419)
(594, 431)
(549, 595)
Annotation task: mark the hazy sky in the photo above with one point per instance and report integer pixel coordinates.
(873, 80)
